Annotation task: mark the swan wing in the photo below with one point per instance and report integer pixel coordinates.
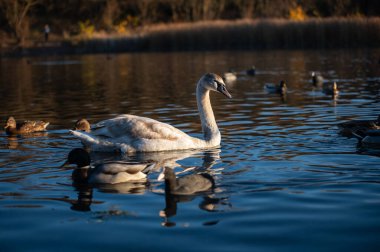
(135, 127)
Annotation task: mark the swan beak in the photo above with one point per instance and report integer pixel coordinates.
(222, 89)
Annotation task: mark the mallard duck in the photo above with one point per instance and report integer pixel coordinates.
(105, 173)
(130, 133)
(359, 127)
(251, 71)
(276, 89)
(188, 184)
(371, 140)
(317, 80)
(230, 76)
(331, 90)
(12, 127)
(82, 125)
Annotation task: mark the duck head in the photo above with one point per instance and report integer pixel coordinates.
(283, 87)
(335, 87)
(215, 83)
(78, 156)
(170, 179)
(11, 123)
(83, 125)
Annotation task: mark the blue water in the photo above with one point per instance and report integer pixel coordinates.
(285, 179)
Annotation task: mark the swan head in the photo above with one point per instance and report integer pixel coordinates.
(215, 83)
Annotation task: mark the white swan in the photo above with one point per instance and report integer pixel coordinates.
(130, 133)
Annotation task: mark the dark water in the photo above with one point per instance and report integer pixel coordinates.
(286, 181)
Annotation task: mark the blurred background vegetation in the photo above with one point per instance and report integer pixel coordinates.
(22, 21)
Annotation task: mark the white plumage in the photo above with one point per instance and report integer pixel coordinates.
(130, 133)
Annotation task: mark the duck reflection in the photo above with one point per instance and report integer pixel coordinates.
(187, 188)
(84, 200)
(104, 174)
(13, 141)
(108, 176)
(209, 203)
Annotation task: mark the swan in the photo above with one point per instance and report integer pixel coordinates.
(12, 127)
(111, 172)
(130, 133)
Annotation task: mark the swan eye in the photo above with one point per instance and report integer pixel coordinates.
(219, 85)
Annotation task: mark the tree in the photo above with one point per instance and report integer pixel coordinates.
(110, 13)
(15, 12)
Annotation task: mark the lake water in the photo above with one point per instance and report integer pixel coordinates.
(286, 180)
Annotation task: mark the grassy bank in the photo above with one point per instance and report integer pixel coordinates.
(227, 35)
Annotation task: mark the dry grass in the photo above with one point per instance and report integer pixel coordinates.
(249, 34)
(236, 35)
(267, 34)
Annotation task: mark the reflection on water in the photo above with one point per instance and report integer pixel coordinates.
(282, 169)
(209, 202)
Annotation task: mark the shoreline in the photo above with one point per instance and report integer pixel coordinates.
(261, 34)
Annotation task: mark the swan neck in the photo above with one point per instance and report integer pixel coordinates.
(209, 126)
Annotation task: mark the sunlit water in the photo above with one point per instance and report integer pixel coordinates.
(286, 180)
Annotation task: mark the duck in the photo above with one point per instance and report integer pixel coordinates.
(130, 133)
(333, 90)
(371, 139)
(112, 172)
(188, 184)
(358, 127)
(251, 71)
(82, 125)
(317, 80)
(230, 76)
(276, 89)
(14, 128)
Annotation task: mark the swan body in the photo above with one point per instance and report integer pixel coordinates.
(188, 184)
(112, 172)
(130, 133)
(12, 127)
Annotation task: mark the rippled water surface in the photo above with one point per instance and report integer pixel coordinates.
(285, 179)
